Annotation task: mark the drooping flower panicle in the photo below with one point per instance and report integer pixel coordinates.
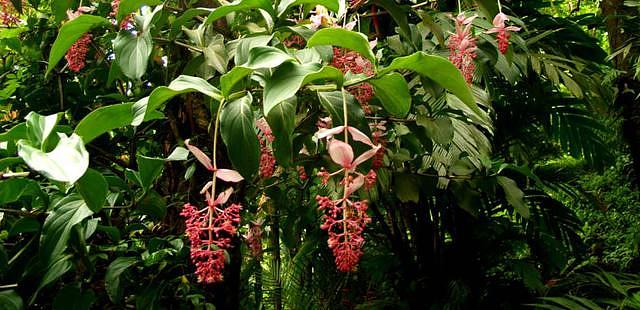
(211, 230)
(503, 31)
(267, 159)
(344, 218)
(462, 46)
(76, 56)
(351, 61)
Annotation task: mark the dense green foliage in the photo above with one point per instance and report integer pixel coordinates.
(471, 162)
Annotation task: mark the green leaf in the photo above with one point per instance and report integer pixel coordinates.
(183, 84)
(438, 69)
(352, 40)
(9, 162)
(231, 78)
(59, 9)
(237, 131)
(66, 163)
(282, 120)
(333, 103)
(150, 168)
(132, 53)
(93, 188)
(127, 6)
(240, 5)
(72, 297)
(66, 213)
(406, 187)
(70, 33)
(13, 189)
(153, 204)
(24, 225)
(393, 92)
(103, 120)
(10, 300)
(514, 195)
(289, 77)
(331, 5)
(439, 129)
(39, 127)
(112, 277)
(179, 154)
(399, 14)
(53, 271)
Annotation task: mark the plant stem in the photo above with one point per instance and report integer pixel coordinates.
(215, 170)
(499, 6)
(345, 194)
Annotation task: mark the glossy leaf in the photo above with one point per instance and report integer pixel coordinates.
(282, 120)
(183, 84)
(514, 195)
(103, 120)
(10, 300)
(132, 53)
(128, 6)
(239, 5)
(66, 213)
(331, 5)
(66, 163)
(438, 69)
(54, 271)
(352, 40)
(237, 131)
(13, 189)
(113, 276)
(39, 127)
(93, 188)
(289, 77)
(69, 33)
(332, 102)
(393, 92)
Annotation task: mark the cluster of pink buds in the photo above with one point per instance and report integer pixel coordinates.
(462, 47)
(254, 238)
(503, 31)
(345, 218)
(267, 159)
(77, 54)
(126, 22)
(352, 61)
(9, 16)
(211, 229)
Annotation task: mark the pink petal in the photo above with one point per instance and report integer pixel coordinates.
(513, 28)
(355, 185)
(359, 136)
(223, 197)
(206, 187)
(365, 156)
(350, 25)
(229, 175)
(323, 133)
(468, 20)
(341, 153)
(200, 155)
(499, 20)
(372, 44)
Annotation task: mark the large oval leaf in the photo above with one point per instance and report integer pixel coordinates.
(352, 40)
(289, 77)
(132, 52)
(282, 120)
(93, 188)
(240, 5)
(183, 84)
(393, 92)
(239, 135)
(104, 119)
(112, 277)
(68, 212)
(66, 163)
(70, 33)
(438, 69)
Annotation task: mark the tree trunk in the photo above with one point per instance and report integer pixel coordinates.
(627, 86)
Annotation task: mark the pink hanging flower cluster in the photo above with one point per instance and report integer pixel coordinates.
(345, 218)
(254, 238)
(346, 60)
(267, 159)
(212, 228)
(126, 22)
(503, 31)
(462, 46)
(9, 16)
(378, 131)
(77, 54)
